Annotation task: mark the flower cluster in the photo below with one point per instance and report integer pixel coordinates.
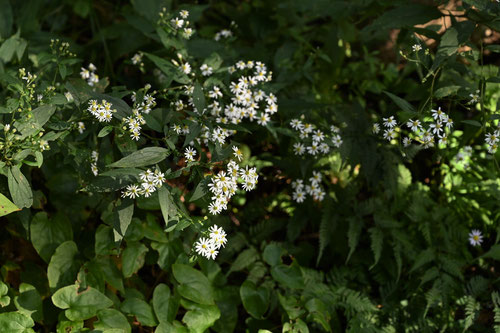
(137, 59)
(436, 131)
(224, 185)
(90, 74)
(134, 122)
(209, 247)
(463, 157)
(314, 188)
(313, 140)
(224, 33)
(93, 164)
(102, 111)
(150, 182)
(179, 23)
(475, 237)
(492, 140)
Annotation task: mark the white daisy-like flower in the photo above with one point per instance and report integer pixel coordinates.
(475, 237)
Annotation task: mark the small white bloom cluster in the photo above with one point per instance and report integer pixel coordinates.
(475, 237)
(102, 111)
(90, 74)
(27, 76)
(93, 165)
(181, 22)
(81, 127)
(314, 188)
(209, 247)
(151, 181)
(137, 59)
(474, 97)
(492, 140)
(314, 141)
(463, 156)
(416, 47)
(436, 131)
(224, 185)
(137, 120)
(224, 33)
(245, 101)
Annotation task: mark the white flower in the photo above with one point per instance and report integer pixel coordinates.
(376, 128)
(6, 128)
(189, 154)
(475, 237)
(406, 141)
(132, 191)
(299, 196)
(81, 127)
(215, 93)
(492, 138)
(68, 96)
(263, 119)
(186, 68)
(299, 148)
(237, 153)
(136, 59)
(92, 67)
(184, 14)
(337, 141)
(177, 23)
(414, 125)
(389, 134)
(202, 246)
(438, 114)
(206, 70)
(296, 124)
(389, 122)
(416, 47)
(318, 136)
(436, 127)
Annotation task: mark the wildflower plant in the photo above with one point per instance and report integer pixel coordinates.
(227, 166)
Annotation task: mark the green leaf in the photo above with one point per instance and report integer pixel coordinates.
(6, 19)
(143, 157)
(472, 122)
(141, 310)
(43, 113)
(272, 254)
(15, 322)
(4, 299)
(404, 105)
(105, 131)
(47, 235)
(198, 98)
(112, 319)
(29, 302)
(133, 258)
(169, 69)
(62, 268)
(167, 40)
(80, 305)
(319, 312)
(200, 317)
(7, 206)
(200, 190)
(289, 276)
(161, 299)
(493, 253)
(244, 259)
(193, 284)
(355, 226)
(255, 300)
(122, 218)
(377, 238)
(167, 206)
(19, 188)
(447, 91)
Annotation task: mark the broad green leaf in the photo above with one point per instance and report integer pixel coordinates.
(141, 310)
(122, 218)
(272, 254)
(62, 268)
(244, 259)
(104, 241)
(167, 206)
(80, 305)
(319, 312)
(29, 302)
(200, 317)
(112, 319)
(404, 105)
(447, 91)
(289, 276)
(105, 131)
(7, 206)
(493, 253)
(198, 98)
(161, 298)
(255, 299)
(47, 234)
(19, 188)
(4, 299)
(15, 322)
(174, 327)
(43, 113)
(133, 258)
(6, 19)
(200, 190)
(144, 157)
(169, 69)
(193, 284)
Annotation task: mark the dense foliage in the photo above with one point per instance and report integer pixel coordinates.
(249, 166)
